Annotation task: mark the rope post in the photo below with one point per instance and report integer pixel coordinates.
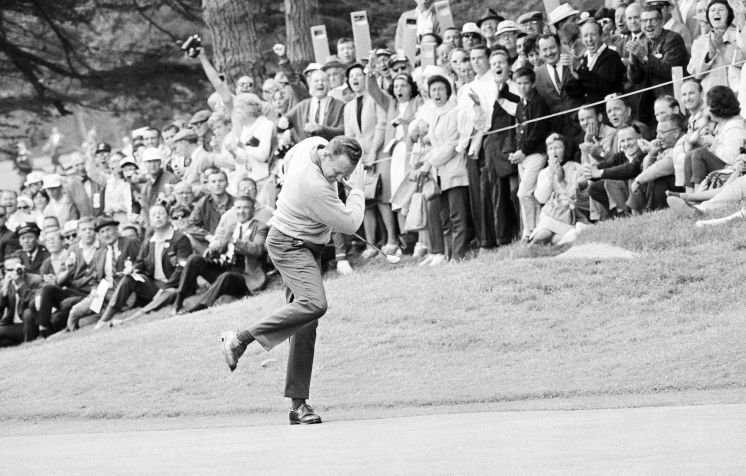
(677, 75)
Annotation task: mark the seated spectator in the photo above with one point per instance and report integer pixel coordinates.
(665, 107)
(118, 194)
(31, 254)
(648, 190)
(73, 282)
(563, 190)
(598, 137)
(61, 204)
(237, 269)
(16, 301)
(157, 178)
(24, 211)
(207, 211)
(58, 256)
(718, 150)
(159, 264)
(70, 234)
(108, 264)
(183, 196)
(9, 200)
(731, 195)
(41, 200)
(624, 165)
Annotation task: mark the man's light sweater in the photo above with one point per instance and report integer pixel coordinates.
(308, 207)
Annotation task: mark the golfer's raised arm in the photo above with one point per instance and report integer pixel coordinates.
(342, 217)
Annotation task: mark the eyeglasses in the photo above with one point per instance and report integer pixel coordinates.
(70, 236)
(20, 207)
(469, 35)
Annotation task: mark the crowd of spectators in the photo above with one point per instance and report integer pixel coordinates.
(514, 129)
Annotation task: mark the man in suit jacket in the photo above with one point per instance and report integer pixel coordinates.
(651, 60)
(114, 250)
(16, 298)
(158, 178)
(599, 72)
(72, 283)
(32, 254)
(238, 270)
(86, 194)
(551, 81)
(8, 239)
(320, 115)
(162, 256)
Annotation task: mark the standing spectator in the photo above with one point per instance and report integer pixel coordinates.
(346, 51)
(650, 61)
(60, 205)
(551, 84)
(255, 139)
(669, 20)
(9, 200)
(41, 200)
(24, 212)
(157, 177)
(471, 36)
(118, 192)
(532, 23)
(426, 19)
(488, 26)
(507, 37)
(716, 56)
(564, 18)
(87, 195)
(530, 155)
(452, 36)
(599, 72)
(320, 115)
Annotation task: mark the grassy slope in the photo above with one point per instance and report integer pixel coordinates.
(502, 328)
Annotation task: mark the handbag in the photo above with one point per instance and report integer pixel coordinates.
(431, 189)
(373, 186)
(417, 215)
(403, 196)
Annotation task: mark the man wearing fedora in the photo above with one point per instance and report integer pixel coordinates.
(113, 252)
(488, 26)
(507, 37)
(532, 23)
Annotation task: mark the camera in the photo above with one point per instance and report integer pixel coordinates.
(192, 46)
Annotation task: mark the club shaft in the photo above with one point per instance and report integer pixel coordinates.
(371, 244)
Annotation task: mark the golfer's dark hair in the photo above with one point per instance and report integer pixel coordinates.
(245, 198)
(343, 145)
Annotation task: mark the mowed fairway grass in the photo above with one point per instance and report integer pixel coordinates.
(511, 325)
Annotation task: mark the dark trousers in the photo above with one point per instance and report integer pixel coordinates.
(652, 195)
(229, 282)
(698, 163)
(197, 266)
(501, 193)
(476, 209)
(145, 291)
(52, 296)
(11, 334)
(450, 224)
(297, 320)
(597, 191)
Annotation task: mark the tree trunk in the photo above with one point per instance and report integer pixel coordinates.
(300, 16)
(235, 46)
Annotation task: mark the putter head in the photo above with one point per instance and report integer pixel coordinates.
(393, 259)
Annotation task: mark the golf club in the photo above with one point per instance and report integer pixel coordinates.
(390, 258)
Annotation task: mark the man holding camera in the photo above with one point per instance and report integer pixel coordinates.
(16, 300)
(308, 208)
(236, 268)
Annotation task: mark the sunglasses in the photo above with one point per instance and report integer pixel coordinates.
(178, 217)
(71, 236)
(399, 69)
(20, 207)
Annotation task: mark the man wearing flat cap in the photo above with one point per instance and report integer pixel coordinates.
(532, 23)
(32, 254)
(488, 26)
(424, 16)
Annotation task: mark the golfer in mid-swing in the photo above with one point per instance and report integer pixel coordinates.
(308, 208)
